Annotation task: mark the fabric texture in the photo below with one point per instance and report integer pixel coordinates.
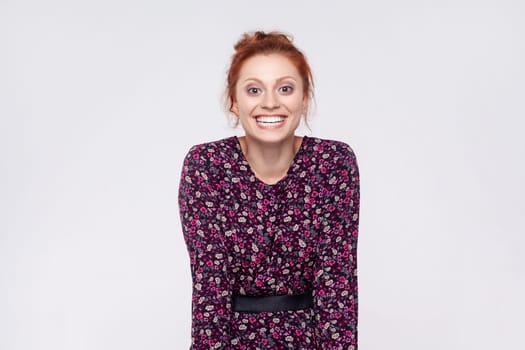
(245, 237)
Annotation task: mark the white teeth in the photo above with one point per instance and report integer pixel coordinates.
(269, 119)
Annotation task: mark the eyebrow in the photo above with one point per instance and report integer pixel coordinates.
(278, 80)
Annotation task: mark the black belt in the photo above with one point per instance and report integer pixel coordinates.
(245, 303)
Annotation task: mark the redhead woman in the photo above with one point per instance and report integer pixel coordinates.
(270, 219)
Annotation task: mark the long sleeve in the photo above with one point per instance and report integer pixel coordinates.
(335, 284)
(211, 299)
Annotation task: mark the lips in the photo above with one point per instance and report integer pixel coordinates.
(270, 119)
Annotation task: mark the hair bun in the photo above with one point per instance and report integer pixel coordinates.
(260, 37)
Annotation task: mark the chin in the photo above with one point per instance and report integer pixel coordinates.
(274, 137)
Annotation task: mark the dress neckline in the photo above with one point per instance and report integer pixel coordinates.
(291, 169)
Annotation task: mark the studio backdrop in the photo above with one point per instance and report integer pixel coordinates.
(101, 100)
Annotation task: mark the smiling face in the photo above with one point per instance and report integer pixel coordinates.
(269, 98)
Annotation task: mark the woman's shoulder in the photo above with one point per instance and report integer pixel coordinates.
(336, 159)
(209, 157)
(330, 148)
(212, 149)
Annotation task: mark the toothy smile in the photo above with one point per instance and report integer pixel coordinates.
(270, 119)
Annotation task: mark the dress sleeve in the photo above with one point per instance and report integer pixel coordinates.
(335, 284)
(211, 298)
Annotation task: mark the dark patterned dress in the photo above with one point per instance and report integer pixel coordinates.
(246, 237)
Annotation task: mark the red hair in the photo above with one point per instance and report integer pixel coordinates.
(261, 43)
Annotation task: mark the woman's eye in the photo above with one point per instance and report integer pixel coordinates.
(286, 89)
(253, 90)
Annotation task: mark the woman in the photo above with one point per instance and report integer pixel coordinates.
(270, 219)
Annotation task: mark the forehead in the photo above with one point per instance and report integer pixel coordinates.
(268, 67)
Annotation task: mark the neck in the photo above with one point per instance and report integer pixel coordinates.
(270, 162)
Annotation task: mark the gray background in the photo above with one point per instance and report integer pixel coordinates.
(100, 101)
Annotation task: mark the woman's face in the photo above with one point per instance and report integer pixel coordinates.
(269, 98)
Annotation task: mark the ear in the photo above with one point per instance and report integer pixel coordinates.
(306, 101)
(235, 109)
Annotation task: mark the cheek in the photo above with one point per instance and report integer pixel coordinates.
(298, 106)
(245, 106)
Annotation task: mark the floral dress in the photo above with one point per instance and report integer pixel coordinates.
(246, 237)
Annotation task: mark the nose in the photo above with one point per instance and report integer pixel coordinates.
(270, 100)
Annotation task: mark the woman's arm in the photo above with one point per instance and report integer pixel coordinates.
(335, 287)
(211, 299)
